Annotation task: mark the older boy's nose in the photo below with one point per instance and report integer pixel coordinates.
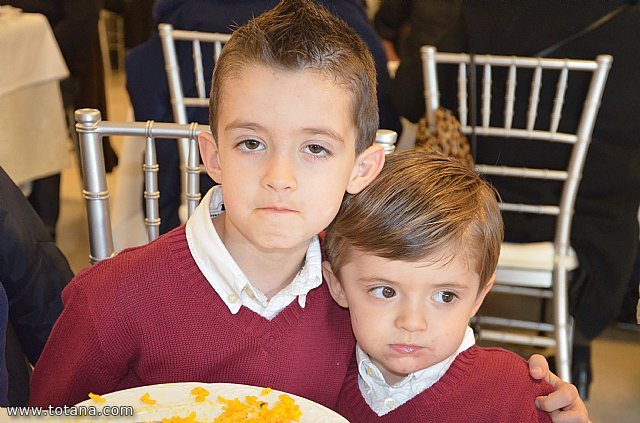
(280, 173)
(412, 318)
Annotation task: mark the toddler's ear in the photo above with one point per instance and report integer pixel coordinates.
(482, 294)
(210, 156)
(335, 287)
(368, 165)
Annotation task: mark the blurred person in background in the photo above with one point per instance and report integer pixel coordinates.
(405, 26)
(75, 27)
(33, 272)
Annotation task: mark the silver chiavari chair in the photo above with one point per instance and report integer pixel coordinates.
(540, 269)
(202, 67)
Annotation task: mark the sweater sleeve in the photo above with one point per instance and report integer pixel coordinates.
(74, 361)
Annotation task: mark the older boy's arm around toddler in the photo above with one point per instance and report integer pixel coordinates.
(413, 257)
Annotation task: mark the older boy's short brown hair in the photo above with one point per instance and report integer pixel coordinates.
(297, 35)
(421, 205)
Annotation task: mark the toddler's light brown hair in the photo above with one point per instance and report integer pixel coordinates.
(421, 206)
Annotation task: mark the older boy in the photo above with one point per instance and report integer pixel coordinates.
(294, 113)
(413, 256)
(237, 295)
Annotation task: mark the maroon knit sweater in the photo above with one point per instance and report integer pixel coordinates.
(483, 385)
(149, 316)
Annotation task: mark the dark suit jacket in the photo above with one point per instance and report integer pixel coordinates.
(33, 272)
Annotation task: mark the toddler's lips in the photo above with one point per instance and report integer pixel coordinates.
(405, 349)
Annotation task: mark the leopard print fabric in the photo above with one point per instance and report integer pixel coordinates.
(447, 140)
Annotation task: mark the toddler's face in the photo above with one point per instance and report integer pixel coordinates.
(285, 156)
(407, 316)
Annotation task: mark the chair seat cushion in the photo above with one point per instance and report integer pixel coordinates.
(533, 256)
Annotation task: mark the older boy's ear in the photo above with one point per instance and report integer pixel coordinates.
(482, 294)
(368, 165)
(335, 287)
(210, 156)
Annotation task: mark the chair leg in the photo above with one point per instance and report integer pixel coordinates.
(562, 326)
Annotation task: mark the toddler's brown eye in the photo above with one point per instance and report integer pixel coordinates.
(383, 292)
(447, 297)
(388, 292)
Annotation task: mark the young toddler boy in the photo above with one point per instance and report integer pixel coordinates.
(237, 295)
(413, 256)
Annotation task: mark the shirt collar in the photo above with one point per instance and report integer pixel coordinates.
(383, 397)
(226, 277)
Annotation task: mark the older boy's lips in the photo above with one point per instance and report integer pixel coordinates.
(277, 209)
(405, 349)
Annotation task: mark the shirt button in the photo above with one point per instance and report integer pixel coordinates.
(370, 372)
(389, 403)
(232, 298)
(250, 294)
(420, 389)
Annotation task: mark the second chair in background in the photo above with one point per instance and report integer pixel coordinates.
(189, 88)
(531, 269)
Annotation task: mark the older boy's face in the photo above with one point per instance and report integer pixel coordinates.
(285, 155)
(407, 316)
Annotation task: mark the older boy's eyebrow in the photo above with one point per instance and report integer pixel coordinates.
(244, 124)
(326, 132)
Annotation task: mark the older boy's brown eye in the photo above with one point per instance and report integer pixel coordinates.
(251, 144)
(316, 150)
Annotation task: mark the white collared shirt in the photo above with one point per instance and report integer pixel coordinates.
(383, 398)
(226, 277)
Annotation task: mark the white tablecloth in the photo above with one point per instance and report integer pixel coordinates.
(34, 140)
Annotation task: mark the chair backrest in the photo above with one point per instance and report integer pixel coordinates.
(91, 128)
(473, 97)
(195, 94)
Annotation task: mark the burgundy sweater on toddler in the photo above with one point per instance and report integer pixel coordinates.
(483, 385)
(149, 316)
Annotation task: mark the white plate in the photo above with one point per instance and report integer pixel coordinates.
(176, 399)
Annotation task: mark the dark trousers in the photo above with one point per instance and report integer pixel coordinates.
(45, 199)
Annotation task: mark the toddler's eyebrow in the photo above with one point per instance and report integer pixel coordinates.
(452, 284)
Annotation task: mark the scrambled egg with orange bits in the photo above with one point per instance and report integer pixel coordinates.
(251, 410)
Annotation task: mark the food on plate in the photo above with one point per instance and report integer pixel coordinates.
(200, 393)
(96, 397)
(251, 410)
(147, 399)
(199, 406)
